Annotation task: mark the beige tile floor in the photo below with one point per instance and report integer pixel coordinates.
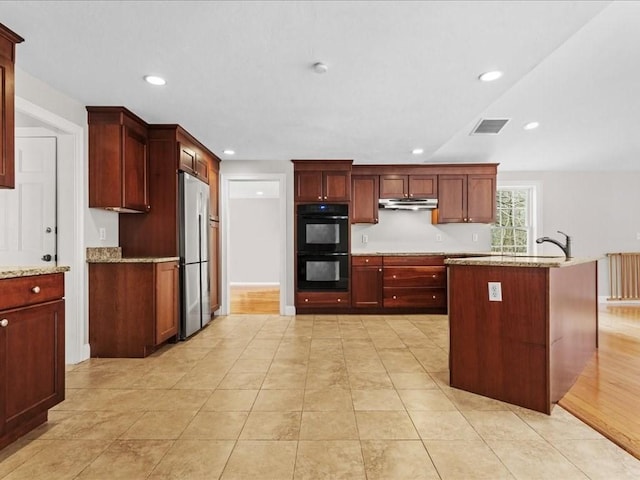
(306, 397)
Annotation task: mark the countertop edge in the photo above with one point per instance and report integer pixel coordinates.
(530, 262)
(15, 272)
(134, 260)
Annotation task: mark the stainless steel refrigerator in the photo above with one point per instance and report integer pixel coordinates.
(195, 287)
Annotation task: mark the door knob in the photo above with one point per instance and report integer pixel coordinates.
(47, 257)
(36, 289)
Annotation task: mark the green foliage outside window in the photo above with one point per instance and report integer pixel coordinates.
(510, 233)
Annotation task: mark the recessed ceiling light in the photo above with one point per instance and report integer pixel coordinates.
(490, 76)
(155, 80)
(531, 125)
(417, 151)
(229, 152)
(320, 67)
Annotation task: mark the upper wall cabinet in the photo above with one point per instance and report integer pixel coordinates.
(8, 41)
(118, 160)
(408, 186)
(322, 180)
(467, 198)
(364, 198)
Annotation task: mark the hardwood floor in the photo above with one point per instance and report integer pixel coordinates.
(606, 396)
(255, 300)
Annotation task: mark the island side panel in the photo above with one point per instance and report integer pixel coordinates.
(499, 349)
(573, 314)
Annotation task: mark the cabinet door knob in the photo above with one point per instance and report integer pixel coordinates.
(320, 197)
(434, 276)
(339, 300)
(394, 276)
(366, 260)
(394, 297)
(470, 220)
(306, 299)
(325, 197)
(4, 322)
(36, 289)
(379, 269)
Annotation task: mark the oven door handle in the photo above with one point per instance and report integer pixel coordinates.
(321, 254)
(325, 217)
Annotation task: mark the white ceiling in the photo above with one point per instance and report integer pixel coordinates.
(401, 75)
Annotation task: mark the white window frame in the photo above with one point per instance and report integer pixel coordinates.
(533, 206)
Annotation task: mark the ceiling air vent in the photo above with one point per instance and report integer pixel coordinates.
(489, 126)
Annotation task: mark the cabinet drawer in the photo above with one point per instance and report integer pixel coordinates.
(415, 297)
(362, 260)
(414, 260)
(415, 277)
(22, 291)
(322, 299)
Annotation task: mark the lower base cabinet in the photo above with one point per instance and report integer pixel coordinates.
(32, 353)
(133, 307)
(399, 283)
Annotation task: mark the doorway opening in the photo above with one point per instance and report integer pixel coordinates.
(254, 250)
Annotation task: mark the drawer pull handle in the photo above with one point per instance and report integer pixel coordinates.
(339, 300)
(434, 297)
(306, 299)
(434, 276)
(36, 289)
(394, 276)
(4, 322)
(366, 260)
(394, 297)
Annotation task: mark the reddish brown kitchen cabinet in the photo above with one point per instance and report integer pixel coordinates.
(366, 281)
(32, 353)
(414, 281)
(408, 186)
(8, 41)
(321, 299)
(133, 307)
(364, 198)
(214, 188)
(214, 265)
(322, 180)
(467, 198)
(193, 162)
(118, 160)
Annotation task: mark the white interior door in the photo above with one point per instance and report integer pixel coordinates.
(28, 212)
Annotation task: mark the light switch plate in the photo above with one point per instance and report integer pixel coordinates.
(495, 292)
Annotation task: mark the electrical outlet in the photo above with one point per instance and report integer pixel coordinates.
(103, 233)
(438, 237)
(474, 237)
(495, 292)
(365, 239)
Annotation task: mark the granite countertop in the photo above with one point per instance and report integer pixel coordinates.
(114, 255)
(13, 272)
(519, 261)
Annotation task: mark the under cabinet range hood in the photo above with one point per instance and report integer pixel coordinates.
(408, 203)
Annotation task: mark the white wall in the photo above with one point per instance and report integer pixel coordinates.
(408, 231)
(250, 169)
(65, 117)
(600, 210)
(254, 246)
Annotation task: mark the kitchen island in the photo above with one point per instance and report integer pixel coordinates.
(521, 328)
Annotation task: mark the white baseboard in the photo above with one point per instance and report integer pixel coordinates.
(605, 299)
(289, 310)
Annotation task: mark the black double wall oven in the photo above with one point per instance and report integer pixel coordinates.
(323, 247)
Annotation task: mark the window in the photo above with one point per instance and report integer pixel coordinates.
(514, 227)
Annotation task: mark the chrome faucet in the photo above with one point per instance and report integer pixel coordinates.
(566, 248)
